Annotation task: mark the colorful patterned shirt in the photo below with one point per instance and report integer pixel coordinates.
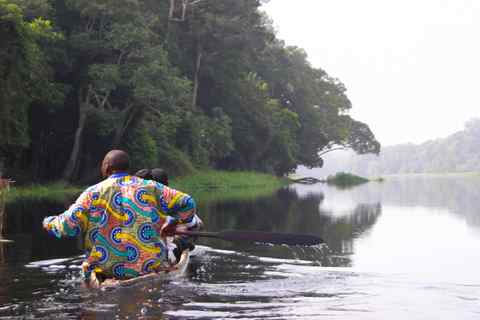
(121, 218)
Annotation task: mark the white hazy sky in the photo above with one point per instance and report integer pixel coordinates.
(411, 67)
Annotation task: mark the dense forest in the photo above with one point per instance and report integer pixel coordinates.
(179, 84)
(459, 152)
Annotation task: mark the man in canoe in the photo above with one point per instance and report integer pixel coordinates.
(181, 242)
(125, 220)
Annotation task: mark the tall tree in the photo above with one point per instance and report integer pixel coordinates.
(25, 76)
(209, 86)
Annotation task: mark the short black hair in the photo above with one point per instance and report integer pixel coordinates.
(160, 175)
(119, 160)
(156, 174)
(144, 174)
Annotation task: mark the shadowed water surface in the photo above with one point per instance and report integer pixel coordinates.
(405, 248)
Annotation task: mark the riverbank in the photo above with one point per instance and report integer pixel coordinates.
(203, 185)
(209, 180)
(52, 192)
(213, 185)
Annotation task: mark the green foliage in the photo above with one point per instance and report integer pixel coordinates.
(175, 162)
(250, 109)
(202, 182)
(217, 138)
(217, 90)
(156, 84)
(105, 77)
(149, 150)
(142, 148)
(207, 139)
(25, 76)
(34, 8)
(345, 180)
(283, 150)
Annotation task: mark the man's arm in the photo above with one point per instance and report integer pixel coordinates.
(71, 222)
(193, 223)
(180, 209)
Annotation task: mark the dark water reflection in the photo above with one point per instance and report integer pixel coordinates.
(405, 248)
(286, 211)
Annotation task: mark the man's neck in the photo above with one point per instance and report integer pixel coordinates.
(118, 174)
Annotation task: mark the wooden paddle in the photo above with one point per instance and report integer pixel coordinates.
(290, 239)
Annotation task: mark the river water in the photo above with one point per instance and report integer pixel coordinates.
(407, 248)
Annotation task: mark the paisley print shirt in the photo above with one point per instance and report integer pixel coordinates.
(121, 219)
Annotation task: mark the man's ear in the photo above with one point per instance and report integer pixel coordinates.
(105, 169)
(108, 170)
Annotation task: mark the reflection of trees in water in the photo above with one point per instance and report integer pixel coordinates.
(3, 216)
(341, 231)
(285, 211)
(458, 194)
(24, 226)
(26, 216)
(3, 258)
(268, 213)
(20, 250)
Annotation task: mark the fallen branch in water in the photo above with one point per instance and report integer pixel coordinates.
(307, 180)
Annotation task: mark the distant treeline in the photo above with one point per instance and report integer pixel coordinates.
(459, 152)
(179, 84)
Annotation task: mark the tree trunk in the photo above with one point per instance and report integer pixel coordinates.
(196, 75)
(4, 188)
(172, 9)
(3, 215)
(91, 173)
(129, 115)
(84, 107)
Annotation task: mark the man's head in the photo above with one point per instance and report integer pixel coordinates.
(160, 175)
(157, 174)
(115, 161)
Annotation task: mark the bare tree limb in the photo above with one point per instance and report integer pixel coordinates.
(330, 150)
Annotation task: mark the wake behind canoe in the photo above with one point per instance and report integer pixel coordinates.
(174, 271)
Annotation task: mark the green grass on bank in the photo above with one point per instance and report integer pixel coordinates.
(208, 180)
(203, 185)
(54, 192)
(208, 186)
(345, 180)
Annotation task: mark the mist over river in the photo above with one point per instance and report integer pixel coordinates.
(404, 248)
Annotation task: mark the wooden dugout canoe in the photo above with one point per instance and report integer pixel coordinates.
(174, 271)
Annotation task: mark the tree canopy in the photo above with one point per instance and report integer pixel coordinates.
(206, 85)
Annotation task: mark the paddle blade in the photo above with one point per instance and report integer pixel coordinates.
(290, 239)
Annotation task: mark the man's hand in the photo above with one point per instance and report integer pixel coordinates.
(200, 224)
(50, 226)
(46, 222)
(167, 230)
